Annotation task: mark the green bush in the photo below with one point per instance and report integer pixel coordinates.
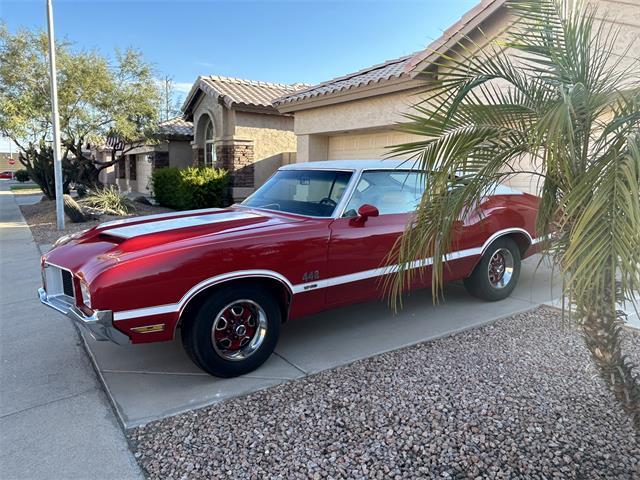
(190, 188)
(21, 175)
(109, 200)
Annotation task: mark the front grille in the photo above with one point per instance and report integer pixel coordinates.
(67, 283)
(59, 283)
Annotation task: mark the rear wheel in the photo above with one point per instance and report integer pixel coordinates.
(497, 273)
(233, 332)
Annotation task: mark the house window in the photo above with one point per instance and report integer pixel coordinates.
(132, 167)
(209, 146)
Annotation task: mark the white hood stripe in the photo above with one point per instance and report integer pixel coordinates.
(139, 229)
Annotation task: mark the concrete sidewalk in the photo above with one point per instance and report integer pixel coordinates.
(55, 420)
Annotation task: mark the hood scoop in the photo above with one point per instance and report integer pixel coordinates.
(147, 228)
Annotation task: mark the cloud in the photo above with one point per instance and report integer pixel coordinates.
(183, 87)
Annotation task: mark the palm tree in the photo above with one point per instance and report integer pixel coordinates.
(554, 100)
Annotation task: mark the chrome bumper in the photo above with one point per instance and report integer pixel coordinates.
(99, 325)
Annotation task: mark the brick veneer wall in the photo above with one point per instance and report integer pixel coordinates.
(238, 161)
(198, 157)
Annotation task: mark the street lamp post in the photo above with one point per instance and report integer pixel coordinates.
(55, 119)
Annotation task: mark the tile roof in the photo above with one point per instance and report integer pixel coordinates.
(176, 126)
(400, 67)
(237, 91)
(395, 68)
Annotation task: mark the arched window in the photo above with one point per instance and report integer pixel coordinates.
(209, 146)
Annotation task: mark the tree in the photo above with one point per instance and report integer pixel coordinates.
(555, 96)
(98, 99)
(169, 101)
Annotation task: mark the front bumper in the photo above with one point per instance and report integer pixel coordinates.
(99, 325)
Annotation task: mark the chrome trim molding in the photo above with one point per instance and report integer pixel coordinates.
(502, 233)
(99, 325)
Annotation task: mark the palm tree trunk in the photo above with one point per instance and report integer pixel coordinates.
(601, 327)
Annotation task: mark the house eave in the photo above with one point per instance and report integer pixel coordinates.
(404, 83)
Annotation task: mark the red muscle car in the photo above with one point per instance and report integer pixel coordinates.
(7, 174)
(315, 236)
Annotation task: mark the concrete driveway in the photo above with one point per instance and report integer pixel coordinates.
(146, 382)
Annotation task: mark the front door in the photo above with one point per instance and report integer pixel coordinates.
(359, 252)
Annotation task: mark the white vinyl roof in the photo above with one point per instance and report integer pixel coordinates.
(354, 165)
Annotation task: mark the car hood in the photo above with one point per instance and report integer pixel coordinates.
(122, 240)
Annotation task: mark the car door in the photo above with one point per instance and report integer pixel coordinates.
(358, 251)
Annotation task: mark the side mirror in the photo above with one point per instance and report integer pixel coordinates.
(364, 212)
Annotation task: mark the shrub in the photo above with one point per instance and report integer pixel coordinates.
(109, 200)
(21, 175)
(190, 188)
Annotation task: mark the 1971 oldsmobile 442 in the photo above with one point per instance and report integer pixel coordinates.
(315, 236)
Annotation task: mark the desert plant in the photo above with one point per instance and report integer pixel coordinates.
(82, 191)
(73, 210)
(38, 163)
(109, 200)
(21, 175)
(190, 188)
(552, 97)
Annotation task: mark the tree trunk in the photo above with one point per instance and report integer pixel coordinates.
(601, 326)
(73, 210)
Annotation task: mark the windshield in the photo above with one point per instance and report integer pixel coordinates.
(305, 192)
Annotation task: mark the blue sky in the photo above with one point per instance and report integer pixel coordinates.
(285, 41)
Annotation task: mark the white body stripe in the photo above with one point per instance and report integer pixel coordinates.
(305, 287)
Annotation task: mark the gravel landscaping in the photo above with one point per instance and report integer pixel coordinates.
(515, 399)
(41, 218)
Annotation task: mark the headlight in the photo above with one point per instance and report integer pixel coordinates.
(86, 295)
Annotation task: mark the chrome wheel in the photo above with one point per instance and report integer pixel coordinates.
(238, 330)
(500, 268)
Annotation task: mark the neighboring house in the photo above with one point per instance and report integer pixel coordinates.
(172, 149)
(355, 116)
(237, 128)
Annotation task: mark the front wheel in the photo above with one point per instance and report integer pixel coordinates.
(497, 273)
(233, 332)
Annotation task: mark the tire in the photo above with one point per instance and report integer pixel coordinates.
(230, 351)
(485, 284)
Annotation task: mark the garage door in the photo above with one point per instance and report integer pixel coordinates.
(365, 146)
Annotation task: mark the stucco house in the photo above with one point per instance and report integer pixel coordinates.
(354, 116)
(237, 128)
(171, 149)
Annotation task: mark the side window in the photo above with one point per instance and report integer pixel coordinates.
(390, 192)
